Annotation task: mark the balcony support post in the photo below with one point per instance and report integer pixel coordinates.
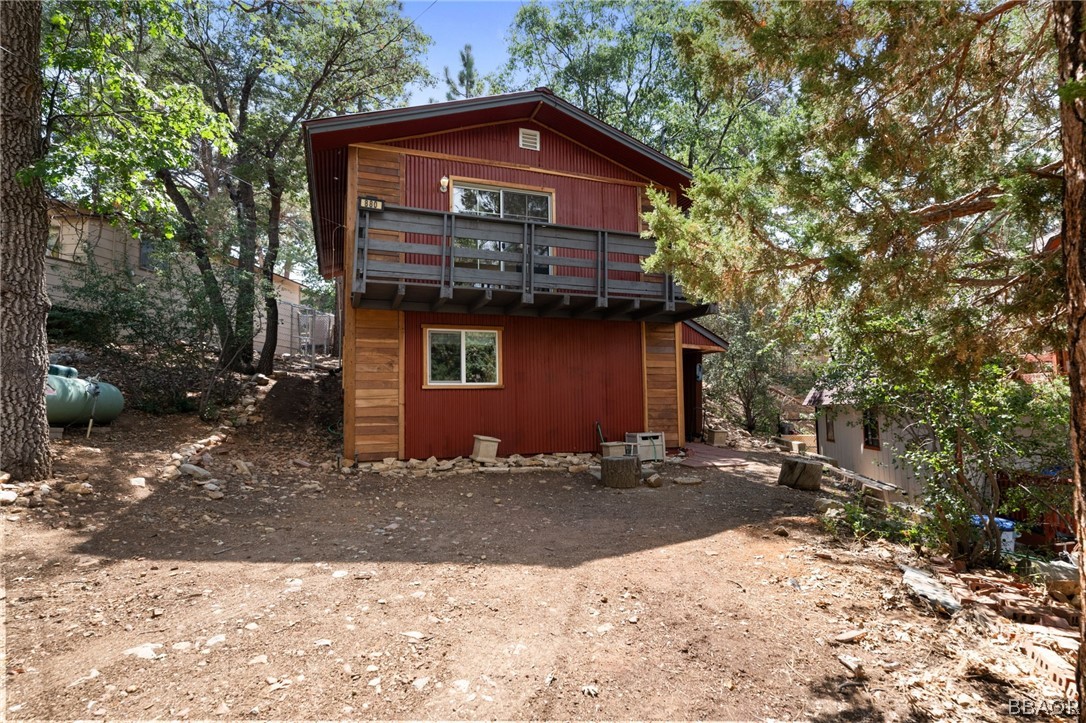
(601, 269)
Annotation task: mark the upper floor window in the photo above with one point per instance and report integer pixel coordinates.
(495, 202)
(498, 202)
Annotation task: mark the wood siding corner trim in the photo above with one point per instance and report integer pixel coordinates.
(644, 375)
(350, 222)
(403, 419)
(681, 397)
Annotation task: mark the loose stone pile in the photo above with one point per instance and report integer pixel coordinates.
(513, 464)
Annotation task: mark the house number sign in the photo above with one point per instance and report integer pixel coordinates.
(371, 203)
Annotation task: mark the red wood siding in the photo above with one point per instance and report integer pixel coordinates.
(693, 337)
(577, 201)
(501, 143)
(560, 377)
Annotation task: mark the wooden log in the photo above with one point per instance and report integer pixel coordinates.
(620, 472)
(800, 473)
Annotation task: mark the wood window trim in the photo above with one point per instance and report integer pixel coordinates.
(426, 328)
(873, 415)
(485, 184)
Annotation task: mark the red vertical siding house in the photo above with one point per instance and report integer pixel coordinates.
(490, 255)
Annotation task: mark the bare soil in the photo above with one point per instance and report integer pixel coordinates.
(504, 596)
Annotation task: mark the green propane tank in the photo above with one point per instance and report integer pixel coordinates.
(63, 371)
(70, 400)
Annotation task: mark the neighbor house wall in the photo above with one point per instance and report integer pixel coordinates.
(83, 244)
(849, 451)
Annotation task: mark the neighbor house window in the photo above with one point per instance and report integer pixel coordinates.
(829, 425)
(871, 429)
(463, 357)
(54, 247)
(495, 202)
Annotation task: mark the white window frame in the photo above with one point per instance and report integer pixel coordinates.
(428, 383)
(476, 186)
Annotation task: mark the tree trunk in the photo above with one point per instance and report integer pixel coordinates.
(244, 327)
(1070, 18)
(271, 302)
(24, 305)
(193, 239)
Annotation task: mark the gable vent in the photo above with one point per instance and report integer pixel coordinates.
(529, 139)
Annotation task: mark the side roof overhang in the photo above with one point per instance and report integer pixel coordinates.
(696, 336)
(327, 139)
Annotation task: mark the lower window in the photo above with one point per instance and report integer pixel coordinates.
(463, 357)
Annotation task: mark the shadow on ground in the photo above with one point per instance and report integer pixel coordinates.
(538, 518)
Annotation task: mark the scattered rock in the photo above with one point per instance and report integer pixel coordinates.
(578, 468)
(420, 683)
(687, 480)
(258, 660)
(780, 531)
(194, 471)
(214, 640)
(8, 496)
(853, 664)
(590, 690)
(215, 495)
(850, 636)
(924, 586)
(138, 482)
(145, 651)
(654, 480)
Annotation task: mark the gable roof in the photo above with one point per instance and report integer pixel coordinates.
(327, 138)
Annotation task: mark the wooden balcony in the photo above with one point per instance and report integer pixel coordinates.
(420, 260)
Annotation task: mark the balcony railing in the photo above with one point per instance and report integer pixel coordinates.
(418, 259)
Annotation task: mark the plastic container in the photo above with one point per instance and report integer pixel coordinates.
(1007, 534)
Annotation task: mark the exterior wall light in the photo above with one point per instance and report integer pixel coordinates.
(444, 184)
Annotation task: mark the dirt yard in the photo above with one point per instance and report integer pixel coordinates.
(306, 594)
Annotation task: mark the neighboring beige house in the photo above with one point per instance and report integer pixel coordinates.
(75, 236)
(862, 441)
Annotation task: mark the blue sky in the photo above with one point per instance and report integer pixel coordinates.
(451, 24)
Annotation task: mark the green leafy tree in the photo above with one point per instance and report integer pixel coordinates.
(618, 61)
(267, 66)
(84, 107)
(258, 69)
(960, 428)
(743, 375)
(934, 147)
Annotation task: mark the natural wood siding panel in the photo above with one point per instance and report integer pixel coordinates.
(375, 396)
(662, 382)
(372, 413)
(378, 174)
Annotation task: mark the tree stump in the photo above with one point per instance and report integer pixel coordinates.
(620, 472)
(800, 473)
